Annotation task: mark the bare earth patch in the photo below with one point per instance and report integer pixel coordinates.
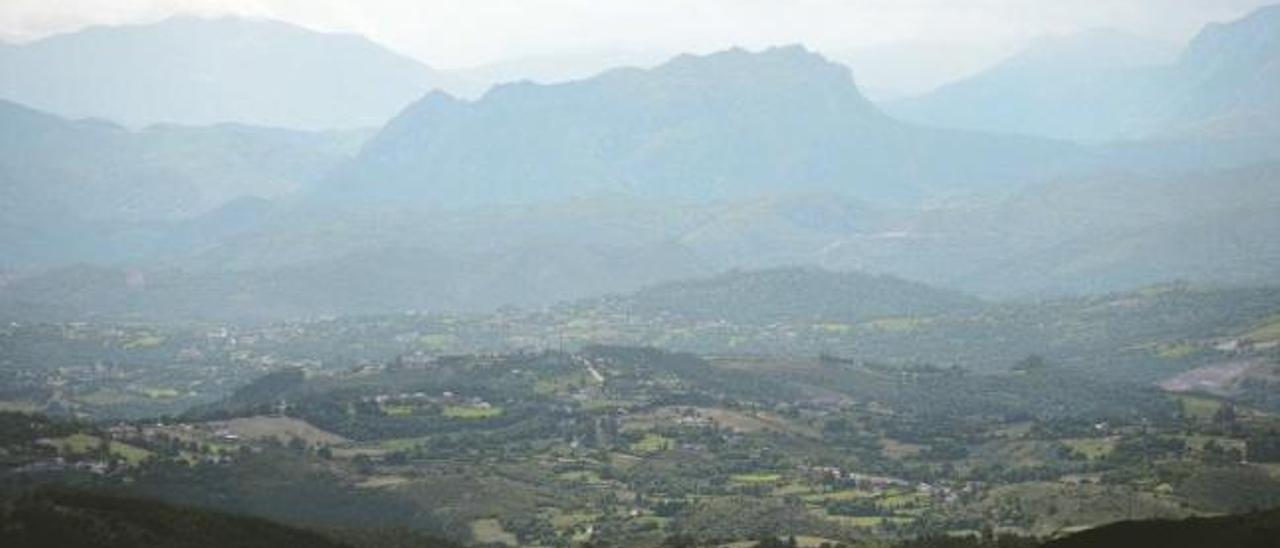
(1220, 379)
(282, 428)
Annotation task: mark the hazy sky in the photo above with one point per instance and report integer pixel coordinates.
(459, 33)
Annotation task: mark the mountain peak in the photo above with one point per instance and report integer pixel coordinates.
(698, 127)
(790, 63)
(187, 27)
(1244, 40)
(733, 67)
(785, 52)
(219, 20)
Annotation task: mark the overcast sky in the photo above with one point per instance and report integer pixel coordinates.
(461, 33)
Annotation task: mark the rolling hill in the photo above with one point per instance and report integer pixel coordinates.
(793, 295)
(1086, 236)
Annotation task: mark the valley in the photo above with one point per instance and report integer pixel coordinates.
(516, 428)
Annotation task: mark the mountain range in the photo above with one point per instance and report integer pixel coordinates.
(717, 126)
(534, 194)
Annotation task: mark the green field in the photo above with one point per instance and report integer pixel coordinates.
(1266, 331)
(161, 393)
(105, 397)
(651, 443)
(76, 443)
(437, 342)
(1091, 448)
(903, 499)
(82, 444)
(848, 494)
(1199, 408)
(18, 406)
(489, 531)
(867, 521)
(398, 410)
(472, 411)
(756, 478)
(400, 444)
(1175, 351)
(895, 324)
(840, 328)
(145, 341)
(132, 455)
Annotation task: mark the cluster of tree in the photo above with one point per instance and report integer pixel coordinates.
(1264, 447)
(856, 507)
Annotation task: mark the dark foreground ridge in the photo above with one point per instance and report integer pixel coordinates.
(1254, 530)
(67, 518)
(73, 518)
(82, 519)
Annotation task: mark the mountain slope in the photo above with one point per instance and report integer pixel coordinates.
(728, 124)
(93, 191)
(1222, 86)
(1080, 87)
(1228, 80)
(207, 71)
(1095, 234)
(96, 170)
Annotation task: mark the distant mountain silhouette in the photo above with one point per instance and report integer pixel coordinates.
(206, 71)
(60, 179)
(1081, 87)
(1093, 87)
(97, 170)
(1227, 83)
